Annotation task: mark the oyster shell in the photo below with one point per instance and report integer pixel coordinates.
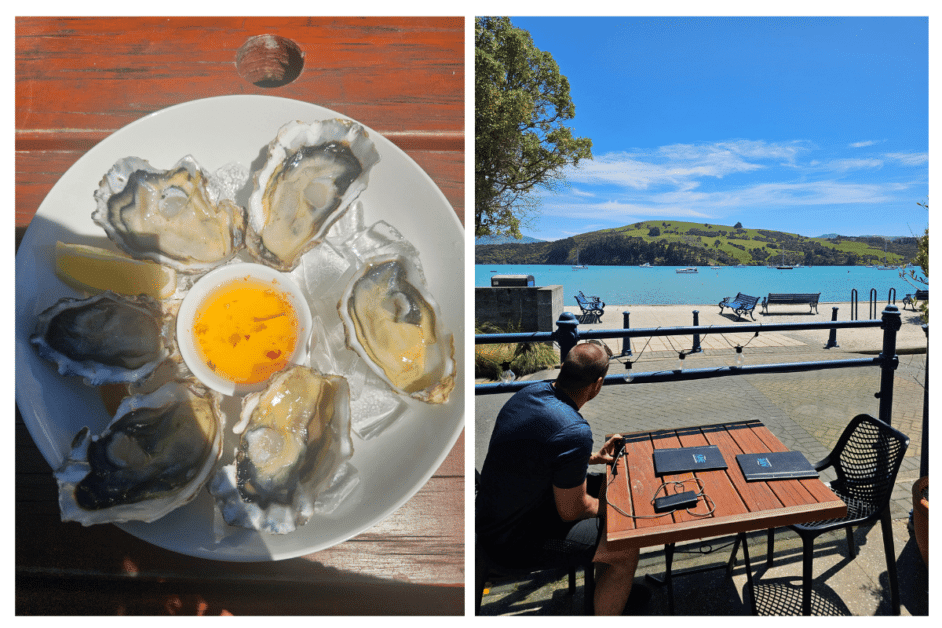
(296, 434)
(106, 339)
(156, 454)
(168, 216)
(395, 325)
(311, 175)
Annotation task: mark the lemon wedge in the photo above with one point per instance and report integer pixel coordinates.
(91, 269)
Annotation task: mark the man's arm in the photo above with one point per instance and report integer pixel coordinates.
(575, 503)
(606, 455)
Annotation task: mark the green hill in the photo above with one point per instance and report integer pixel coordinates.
(677, 243)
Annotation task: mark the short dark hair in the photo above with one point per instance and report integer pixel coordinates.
(584, 365)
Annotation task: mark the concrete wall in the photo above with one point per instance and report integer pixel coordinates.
(519, 309)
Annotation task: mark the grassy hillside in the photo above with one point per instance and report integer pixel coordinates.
(678, 243)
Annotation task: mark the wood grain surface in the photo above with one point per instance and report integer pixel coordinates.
(78, 80)
(740, 506)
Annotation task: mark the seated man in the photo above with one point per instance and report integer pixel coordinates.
(537, 506)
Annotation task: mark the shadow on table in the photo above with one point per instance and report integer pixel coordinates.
(67, 569)
(62, 594)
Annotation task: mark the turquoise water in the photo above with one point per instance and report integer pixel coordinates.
(661, 285)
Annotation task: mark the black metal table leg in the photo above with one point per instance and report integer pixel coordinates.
(749, 582)
(668, 579)
(732, 557)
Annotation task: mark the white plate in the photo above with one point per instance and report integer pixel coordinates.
(216, 131)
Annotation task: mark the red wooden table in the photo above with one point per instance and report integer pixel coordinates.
(738, 506)
(80, 79)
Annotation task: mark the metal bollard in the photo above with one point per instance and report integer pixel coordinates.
(567, 333)
(832, 337)
(892, 322)
(696, 337)
(626, 342)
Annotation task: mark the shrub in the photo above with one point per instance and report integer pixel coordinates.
(524, 358)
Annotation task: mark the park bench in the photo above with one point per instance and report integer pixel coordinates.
(910, 299)
(797, 298)
(741, 304)
(592, 308)
(593, 300)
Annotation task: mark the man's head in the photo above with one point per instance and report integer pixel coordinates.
(582, 372)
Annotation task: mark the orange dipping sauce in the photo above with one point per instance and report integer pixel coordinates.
(246, 330)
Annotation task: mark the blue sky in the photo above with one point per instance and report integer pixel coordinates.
(805, 125)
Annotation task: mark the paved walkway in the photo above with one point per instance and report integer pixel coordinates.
(807, 411)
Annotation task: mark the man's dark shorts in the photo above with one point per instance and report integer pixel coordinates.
(561, 544)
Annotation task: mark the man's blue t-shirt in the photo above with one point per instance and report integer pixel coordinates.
(539, 441)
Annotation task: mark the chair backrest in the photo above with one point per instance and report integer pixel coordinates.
(867, 458)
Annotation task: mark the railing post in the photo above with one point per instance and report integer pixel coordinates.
(853, 304)
(626, 342)
(832, 337)
(567, 333)
(924, 460)
(696, 337)
(892, 322)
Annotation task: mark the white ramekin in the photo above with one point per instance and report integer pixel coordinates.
(209, 282)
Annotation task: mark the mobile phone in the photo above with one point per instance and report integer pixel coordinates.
(687, 499)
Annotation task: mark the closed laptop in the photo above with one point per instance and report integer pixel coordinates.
(778, 465)
(684, 459)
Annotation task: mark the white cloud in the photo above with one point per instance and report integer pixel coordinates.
(843, 165)
(909, 159)
(684, 165)
(618, 212)
(863, 144)
(723, 179)
(808, 193)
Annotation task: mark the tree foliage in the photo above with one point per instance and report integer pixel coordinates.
(922, 260)
(521, 142)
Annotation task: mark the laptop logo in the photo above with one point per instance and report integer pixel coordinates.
(764, 462)
(699, 458)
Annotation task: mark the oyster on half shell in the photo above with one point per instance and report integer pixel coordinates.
(295, 434)
(393, 323)
(106, 339)
(168, 216)
(156, 454)
(311, 175)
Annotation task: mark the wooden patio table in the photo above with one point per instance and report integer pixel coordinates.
(80, 79)
(737, 506)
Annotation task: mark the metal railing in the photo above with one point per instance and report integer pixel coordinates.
(567, 334)
(890, 299)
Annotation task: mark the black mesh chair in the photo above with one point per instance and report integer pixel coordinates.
(488, 567)
(866, 458)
